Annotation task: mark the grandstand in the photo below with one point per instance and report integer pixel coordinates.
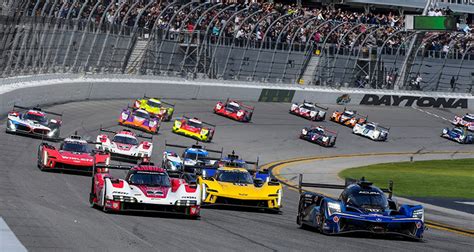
(350, 43)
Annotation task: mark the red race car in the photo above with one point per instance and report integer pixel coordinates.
(73, 154)
(235, 110)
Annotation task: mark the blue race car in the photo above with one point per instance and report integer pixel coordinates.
(196, 155)
(458, 134)
(361, 208)
(319, 135)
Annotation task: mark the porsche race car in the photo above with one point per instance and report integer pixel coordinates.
(73, 154)
(309, 110)
(155, 107)
(319, 135)
(361, 208)
(235, 110)
(140, 119)
(124, 145)
(194, 128)
(230, 182)
(371, 130)
(33, 122)
(145, 188)
(458, 134)
(348, 117)
(196, 155)
(466, 121)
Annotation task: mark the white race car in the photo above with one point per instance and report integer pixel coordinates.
(145, 188)
(466, 121)
(371, 130)
(193, 156)
(33, 122)
(309, 110)
(125, 146)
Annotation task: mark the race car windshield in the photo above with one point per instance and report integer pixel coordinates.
(75, 147)
(194, 124)
(154, 104)
(234, 177)
(318, 131)
(194, 156)
(369, 127)
(125, 140)
(142, 114)
(232, 107)
(33, 117)
(458, 131)
(347, 114)
(149, 179)
(308, 107)
(468, 119)
(368, 199)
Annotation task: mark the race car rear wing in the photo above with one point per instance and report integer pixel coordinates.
(348, 182)
(195, 146)
(38, 109)
(167, 103)
(204, 123)
(316, 105)
(150, 137)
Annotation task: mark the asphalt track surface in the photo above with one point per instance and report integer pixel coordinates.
(50, 211)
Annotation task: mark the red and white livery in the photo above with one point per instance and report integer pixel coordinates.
(145, 188)
(309, 110)
(465, 121)
(124, 145)
(235, 110)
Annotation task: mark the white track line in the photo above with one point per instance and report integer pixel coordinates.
(431, 114)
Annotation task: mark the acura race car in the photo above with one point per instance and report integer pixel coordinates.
(139, 119)
(33, 122)
(155, 107)
(361, 208)
(124, 145)
(466, 121)
(235, 110)
(145, 188)
(73, 154)
(371, 130)
(348, 117)
(194, 128)
(309, 110)
(196, 155)
(319, 135)
(458, 134)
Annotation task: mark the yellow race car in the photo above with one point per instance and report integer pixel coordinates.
(230, 182)
(155, 107)
(194, 128)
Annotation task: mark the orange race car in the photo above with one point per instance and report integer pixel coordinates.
(348, 117)
(139, 119)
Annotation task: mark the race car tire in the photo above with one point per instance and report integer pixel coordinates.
(104, 207)
(322, 220)
(40, 159)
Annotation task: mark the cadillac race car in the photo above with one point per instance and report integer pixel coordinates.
(361, 208)
(73, 154)
(231, 182)
(466, 121)
(196, 155)
(139, 119)
(124, 145)
(33, 122)
(309, 110)
(155, 107)
(348, 117)
(319, 135)
(371, 130)
(234, 110)
(458, 134)
(194, 128)
(145, 188)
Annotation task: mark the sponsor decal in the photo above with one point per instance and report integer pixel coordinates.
(343, 99)
(408, 101)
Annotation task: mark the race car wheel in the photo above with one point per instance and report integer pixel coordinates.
(104, 207)
(40, 159)
(322, 220)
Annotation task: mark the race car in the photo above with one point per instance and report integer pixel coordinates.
(155, 107)
(371, 130)
(196, 155)
(348, 117)
(73, 154)
(319, 135)
(458, 134)
(235, 110)
(124, 145)
(230, 182)
(33, 122)
(140, 119)
(361, 208)
(309, 110)
(145, 188)
(194, 128)
(466, 121)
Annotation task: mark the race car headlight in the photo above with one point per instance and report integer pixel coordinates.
(419, 213)
(11, 125)
(124, 198)
(124, 116)
(152, 123)
(107, 161)
(333, 208)
(204, 132)
(279, 198)
(325, 139)
(445, 131)
(51, 133)
(240, 113)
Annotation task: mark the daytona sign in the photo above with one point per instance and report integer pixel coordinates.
(408, 101)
